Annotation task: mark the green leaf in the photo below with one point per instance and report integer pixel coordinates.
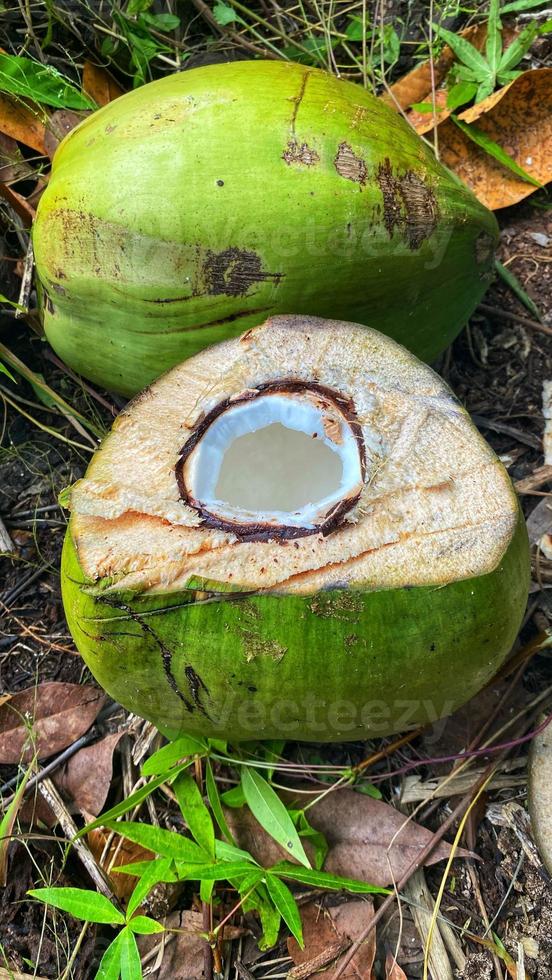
(322, 879)
(465, 51)
(460, 93)
(518, 48)
(271, 813)
(16, 306)
(127, 804)
(41, 84)
(168, 843)
(215, 804)
(229, 852)
(513, 282)
(523, 5)
(110, 964)
(131, 967)
(165, 869)
(493, 45)
(80, 902)
(155, 872)
(369, 790)
(390, 45)
(8, 820)
(315, 837)
(286, 905)
(162, 22)
(219, 871)
(494, 150)
(224, 14)
(163, 760)
(135, 7)
(270, 917)
(485, 89)
(422, 106)
(195, 812)
(234, 797)
(354, 30)
(144, 925)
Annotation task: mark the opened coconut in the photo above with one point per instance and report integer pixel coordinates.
(298, 533)
(197, 206)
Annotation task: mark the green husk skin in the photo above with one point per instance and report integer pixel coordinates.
(333, 666)
(197, 206)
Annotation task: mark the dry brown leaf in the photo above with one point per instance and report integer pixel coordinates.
(86, 777)
(99, 85)
(368, 839)
(23, 123)
(19, 204)
(61, 122)
(56, 714)
(418, 84)
(393, 970)
(183, 953)
(12, 165)
(328, 933)
(519, 118)
(120, 851)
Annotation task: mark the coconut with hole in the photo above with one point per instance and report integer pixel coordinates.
(298, 533)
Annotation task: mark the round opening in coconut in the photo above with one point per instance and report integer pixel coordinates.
(298, 533)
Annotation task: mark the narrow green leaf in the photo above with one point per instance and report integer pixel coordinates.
(494, 150)
(322, 879)
(286, 905)
(465, 51)
(510, 8)
(80, 902)
(219, 871)
(16, 306)
(144, 925)
(110, 964)
(234, 797)
(165, 869)
(369, 790)
(260, 901)
(271, 813)
(8, 820)
(215, 803)
(315, 837)
(155, 872)
(40, 83)
(422, 107)
(514, 284)
(229, 852)
(485, 89)
(131, 967)
(518, 48)
(165, 758)
(493, 45)
(195, 812)
(125, 805)
(460, 93)
(168, 843)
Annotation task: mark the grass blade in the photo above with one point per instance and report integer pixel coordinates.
(494, 150)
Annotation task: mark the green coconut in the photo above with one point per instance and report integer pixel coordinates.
(297, 533)
(197, 206)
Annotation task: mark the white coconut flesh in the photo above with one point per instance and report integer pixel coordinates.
(278, 460)
(172, 494)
